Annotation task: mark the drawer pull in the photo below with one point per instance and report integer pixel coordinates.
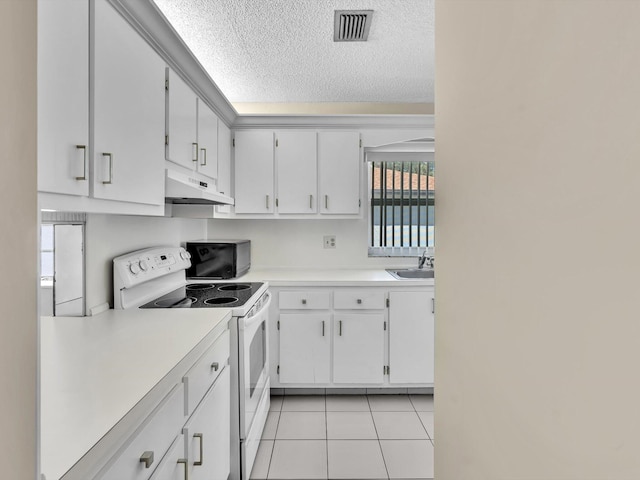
(340, 327)
(304, 301)
(359, 301)
(185, 463)
(323, 328)
(200, 436)
(215, 366)
(147, 458)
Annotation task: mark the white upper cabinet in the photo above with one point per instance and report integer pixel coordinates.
(63, 97)
(207, 141)
(128, 112)
(296, 166)
(224, 164)
(254, 171)
(339, 166)
(191, 128)
(181, 135)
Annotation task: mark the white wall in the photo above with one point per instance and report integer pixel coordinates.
(299, 243)
(108, 236)
(538, 312)
(18, 238)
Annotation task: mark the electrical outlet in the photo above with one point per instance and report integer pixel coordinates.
(329, 241)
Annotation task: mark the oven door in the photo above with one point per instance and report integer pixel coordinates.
(253, 361)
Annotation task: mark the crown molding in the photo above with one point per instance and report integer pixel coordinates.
(334, 121)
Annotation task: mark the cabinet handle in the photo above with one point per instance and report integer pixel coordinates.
(84, 161)
(326, 202)
(323, 328)
(195, 151)
(215, 366)
(359, 301)
(147, 458)
(304, 301)
(204, 156)
(267, 202)
(108, 182)
(185, 463)
(310, 201)
(340, 327)
(201, 437)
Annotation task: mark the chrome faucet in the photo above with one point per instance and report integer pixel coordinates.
(423, 259)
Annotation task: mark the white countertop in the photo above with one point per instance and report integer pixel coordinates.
(95, 369)
(328, 277)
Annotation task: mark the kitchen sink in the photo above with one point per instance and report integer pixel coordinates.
(411, 273)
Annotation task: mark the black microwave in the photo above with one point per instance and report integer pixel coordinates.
(218, 259)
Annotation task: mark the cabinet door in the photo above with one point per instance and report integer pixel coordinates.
(339, 166)
(63, 96)
(358, 348)
(305, 348)
(297, 180)
(151, 440)
(208, 432)
(174, 464)
(411, 337)
(224, 164)
(129, 119)
(181, 122)
(254, 171)
(207, 141)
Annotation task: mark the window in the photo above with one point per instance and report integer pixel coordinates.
(402, 209)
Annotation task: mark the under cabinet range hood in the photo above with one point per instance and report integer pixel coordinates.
(185, 189)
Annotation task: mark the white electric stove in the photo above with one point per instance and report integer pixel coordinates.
(155, 278)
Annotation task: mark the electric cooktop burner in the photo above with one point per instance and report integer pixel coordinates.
(234, 287)
(207, 295)
(220, 300)
(200, 286)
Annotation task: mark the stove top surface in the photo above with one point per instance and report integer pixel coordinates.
(207, 295)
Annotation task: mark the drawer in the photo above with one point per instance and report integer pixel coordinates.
(153, 438)
(358, 300)
(313, 300)
(202, 375)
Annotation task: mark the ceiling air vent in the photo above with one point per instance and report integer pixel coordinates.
(352, 25)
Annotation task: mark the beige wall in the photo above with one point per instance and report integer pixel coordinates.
(538, 234)
(18, 239)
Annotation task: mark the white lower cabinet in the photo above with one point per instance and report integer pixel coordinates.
(148, 445)
(358, 348)
(343, 336)
(187, 435)
(207, 434)
(174, 465)
(411, 337)
(305, 348)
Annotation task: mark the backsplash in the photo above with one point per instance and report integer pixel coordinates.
(108, 236)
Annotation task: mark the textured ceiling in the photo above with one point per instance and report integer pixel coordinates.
(279, 51)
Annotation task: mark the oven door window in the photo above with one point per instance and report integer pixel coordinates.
(257, 358)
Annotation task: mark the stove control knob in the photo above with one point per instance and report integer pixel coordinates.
(144, 266)
(134, 268)
(184, 255)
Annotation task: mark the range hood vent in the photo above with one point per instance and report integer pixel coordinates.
(181, 188)
(352, 25)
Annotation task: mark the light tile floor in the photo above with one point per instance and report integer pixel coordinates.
(338, 437)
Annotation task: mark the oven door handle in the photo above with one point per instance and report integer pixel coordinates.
(257, 316)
